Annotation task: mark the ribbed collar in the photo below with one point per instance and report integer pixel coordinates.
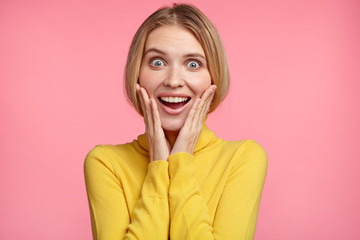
(206, 137)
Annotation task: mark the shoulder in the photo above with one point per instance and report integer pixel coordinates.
(115, 158)
(106, 154)
(248, 154)
(247, 146)
(97, 158)
(253, 149)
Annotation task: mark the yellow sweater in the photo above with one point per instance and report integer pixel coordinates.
(212, 194)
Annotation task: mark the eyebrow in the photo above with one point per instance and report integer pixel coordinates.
(154, 50)
(163, 53)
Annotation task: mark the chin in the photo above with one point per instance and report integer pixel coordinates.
(173, 125)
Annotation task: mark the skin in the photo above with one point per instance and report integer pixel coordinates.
(174, 63)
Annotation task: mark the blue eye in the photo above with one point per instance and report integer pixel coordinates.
(157, 63)
(193, 65)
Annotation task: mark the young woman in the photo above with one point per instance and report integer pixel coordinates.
(176, 181)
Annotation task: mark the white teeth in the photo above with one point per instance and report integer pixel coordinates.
(174, 99)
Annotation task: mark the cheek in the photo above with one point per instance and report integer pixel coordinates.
(143, 74)
(202, 83)
(146, 80)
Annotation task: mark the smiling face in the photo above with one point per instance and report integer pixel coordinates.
(174, 72)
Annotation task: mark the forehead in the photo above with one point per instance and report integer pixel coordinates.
(173, 37)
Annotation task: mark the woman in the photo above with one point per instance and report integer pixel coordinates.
(177, 180)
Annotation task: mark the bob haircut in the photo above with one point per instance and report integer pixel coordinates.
(192, 19)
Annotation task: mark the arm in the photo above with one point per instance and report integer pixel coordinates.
(188, 210)
(110, 216)
(238, 206)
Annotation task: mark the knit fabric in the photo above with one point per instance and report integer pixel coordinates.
(213, 194)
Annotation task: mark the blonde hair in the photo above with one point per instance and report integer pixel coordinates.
(195, 21)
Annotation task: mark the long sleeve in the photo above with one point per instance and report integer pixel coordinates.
(188, 210)
(237, 209)
(213, 194)
(110, 214)
(239, 204)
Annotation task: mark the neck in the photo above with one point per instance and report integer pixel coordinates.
(171, 136)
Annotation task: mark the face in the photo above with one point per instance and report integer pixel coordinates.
(174, 72)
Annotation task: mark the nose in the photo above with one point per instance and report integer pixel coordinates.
(174, 77)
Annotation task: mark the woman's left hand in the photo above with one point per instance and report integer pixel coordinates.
(190, 132)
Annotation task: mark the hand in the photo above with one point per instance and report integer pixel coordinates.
(159, 147)
(190, 132)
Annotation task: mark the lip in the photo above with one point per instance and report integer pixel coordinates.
(169, 110)
(171, 94)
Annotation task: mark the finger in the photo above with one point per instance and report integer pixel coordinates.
(192, 114)
(147, 111)
(142, 102)
(205, 110)
(162, 147)
(206, 100)
(141, 99)
(206, 95)
(208, 92)
(155, 114)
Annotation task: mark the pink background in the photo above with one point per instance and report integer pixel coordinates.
(295, 90)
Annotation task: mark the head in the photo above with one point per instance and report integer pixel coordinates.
(192, 19)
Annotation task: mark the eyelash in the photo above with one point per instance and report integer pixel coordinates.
(152, 60)
(195, 61)
(156, 59)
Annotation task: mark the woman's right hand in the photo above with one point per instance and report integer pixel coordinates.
(159, 147)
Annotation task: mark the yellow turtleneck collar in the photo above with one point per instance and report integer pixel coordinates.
(205, 138)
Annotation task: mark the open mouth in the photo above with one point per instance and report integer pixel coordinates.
(174, 102)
